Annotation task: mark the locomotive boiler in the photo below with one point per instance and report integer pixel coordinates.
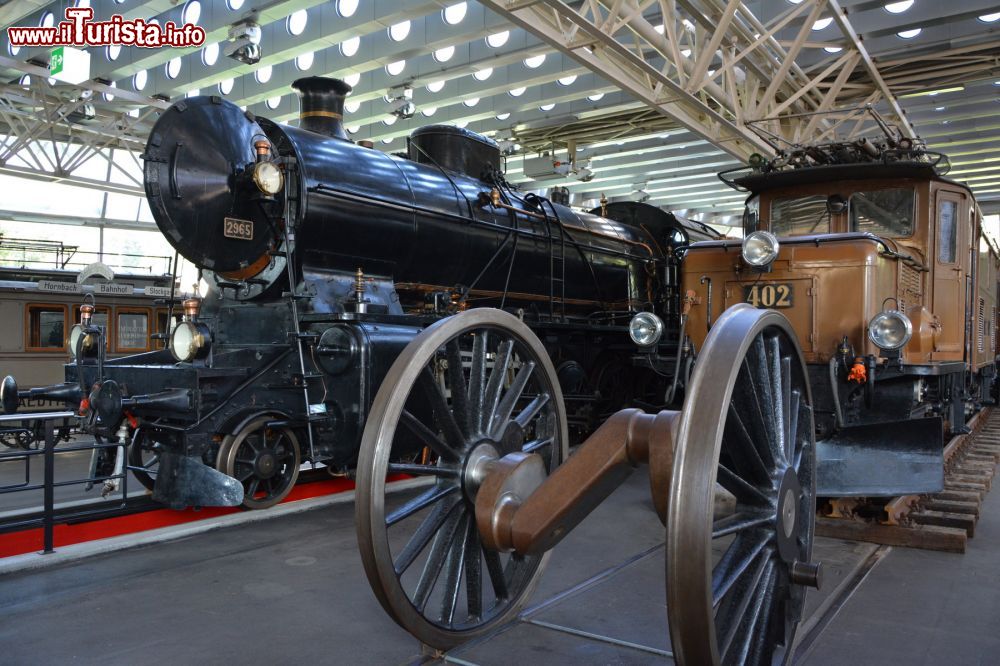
(324, 259)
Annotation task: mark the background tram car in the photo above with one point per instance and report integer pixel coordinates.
(324, 259)
(39, 306)
(882, 266)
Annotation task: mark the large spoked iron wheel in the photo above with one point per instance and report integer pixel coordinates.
(741, 510)
(465, 392)
(264, 459)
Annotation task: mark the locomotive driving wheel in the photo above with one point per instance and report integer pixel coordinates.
(465, 392)
(738, 559)
(144, 459)
(264, 459)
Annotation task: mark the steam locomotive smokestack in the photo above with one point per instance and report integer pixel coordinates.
(321, 105)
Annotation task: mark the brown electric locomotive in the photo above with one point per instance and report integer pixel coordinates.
(882, 267)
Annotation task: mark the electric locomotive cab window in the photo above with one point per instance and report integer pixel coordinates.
(883, 212)
(947, 230)
(800, 216)
(46, 327)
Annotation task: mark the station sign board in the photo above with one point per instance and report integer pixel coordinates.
(60, 287)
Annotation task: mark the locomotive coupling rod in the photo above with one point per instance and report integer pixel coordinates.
(519, 509)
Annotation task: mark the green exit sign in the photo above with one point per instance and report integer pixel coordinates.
(57, 61)
(69, 65)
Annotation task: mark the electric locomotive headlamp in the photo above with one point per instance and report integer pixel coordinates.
(760, 248)
(890, 330)
(268, 178)
(190, 339)
(645, 329)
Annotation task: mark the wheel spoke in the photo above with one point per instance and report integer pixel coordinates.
(745, 492)
(748, 625)
(742, 520)
(454, 563)
(435, 560)
(423, 470)
(739, 445)
(249, 441)
(495, 570)
(421, 501)
(765, 382)
(760, 634)
(786, 408)
(506, 407)
(495, 385)
(532, 409)
(779, 385)
(442, 413)
(536, 444)
(477, 378)
(736, 561)
(459, 389)
(427, 437)
(473, 572)
(745, 395)
(253, 487)
(795, 451)
(730, 616)
(422, 536)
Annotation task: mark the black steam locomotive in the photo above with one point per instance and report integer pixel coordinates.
(325, 258)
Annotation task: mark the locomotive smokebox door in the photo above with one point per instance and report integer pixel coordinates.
(201, 179)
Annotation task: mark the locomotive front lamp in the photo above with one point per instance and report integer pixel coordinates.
(75, 333)
(645, 329)
(889, 330)
(268, 178)
(760, 248)
(190, 339)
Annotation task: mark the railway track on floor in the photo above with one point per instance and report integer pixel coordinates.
(944, 520)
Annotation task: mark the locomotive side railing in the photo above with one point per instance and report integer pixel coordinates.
(47, 422)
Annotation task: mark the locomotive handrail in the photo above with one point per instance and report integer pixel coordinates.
(332, 191)
(48, 485)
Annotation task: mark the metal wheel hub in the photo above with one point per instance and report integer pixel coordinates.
(789, 522)
(477, 465)
(265, 465)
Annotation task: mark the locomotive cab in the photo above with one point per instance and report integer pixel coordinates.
(884, 272)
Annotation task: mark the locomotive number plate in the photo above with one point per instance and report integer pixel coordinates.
(769, 295)
(233, 227)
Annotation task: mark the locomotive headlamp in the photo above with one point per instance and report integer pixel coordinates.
(890, 330)
(87, 345)
(190, 340)
(268, 178)
(645, 329)
(760, 248)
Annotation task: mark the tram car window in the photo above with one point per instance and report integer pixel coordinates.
(46, 327)
(132, 331)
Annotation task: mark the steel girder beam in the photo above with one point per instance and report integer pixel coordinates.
(723, 67)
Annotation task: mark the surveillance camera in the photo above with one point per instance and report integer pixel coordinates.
(401, 107)
(584, 174)
(245, 43)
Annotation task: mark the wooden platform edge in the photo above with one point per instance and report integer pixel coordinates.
(929, 537)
